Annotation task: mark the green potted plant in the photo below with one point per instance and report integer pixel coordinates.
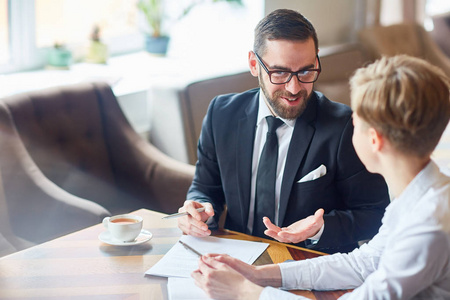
(153, 11)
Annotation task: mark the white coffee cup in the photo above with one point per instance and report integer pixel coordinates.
(124, 228)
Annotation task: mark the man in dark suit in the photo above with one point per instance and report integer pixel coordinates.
(321, 196)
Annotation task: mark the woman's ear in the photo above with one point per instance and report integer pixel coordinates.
(376, 140)
(252, 63)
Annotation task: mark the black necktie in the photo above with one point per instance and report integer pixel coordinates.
(265, 178)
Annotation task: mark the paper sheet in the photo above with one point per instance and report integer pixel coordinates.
(180, 262)
(184, 289)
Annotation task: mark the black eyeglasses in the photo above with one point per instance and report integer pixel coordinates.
(282, 77)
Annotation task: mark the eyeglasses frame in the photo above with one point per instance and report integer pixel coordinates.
(291, 73)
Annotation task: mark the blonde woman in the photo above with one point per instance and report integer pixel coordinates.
(401, 107)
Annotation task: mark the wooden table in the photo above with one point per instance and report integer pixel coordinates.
(80, 266)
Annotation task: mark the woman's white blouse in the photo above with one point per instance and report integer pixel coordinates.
(409, 258)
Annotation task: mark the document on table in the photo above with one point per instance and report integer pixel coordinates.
(184, 289)
(180, 262)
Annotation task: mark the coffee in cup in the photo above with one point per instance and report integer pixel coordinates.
(124, 228)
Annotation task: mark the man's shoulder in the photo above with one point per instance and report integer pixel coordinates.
(331, 114)
(332, 108)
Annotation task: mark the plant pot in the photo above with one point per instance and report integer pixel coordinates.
(59, 57)
(157, 45)
(97, 53)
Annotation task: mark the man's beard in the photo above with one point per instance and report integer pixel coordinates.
(286, 112)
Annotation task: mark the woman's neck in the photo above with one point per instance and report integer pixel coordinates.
(400, 170)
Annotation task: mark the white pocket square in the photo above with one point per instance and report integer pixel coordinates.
(315, 174)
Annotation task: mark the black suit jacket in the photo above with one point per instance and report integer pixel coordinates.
(353, 199)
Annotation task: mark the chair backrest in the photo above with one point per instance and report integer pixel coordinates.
(338, 64)
(392, 40)
(80, 138)
(195, 99)
(66, 133)
(32, 208)
(63, 131)
(405, 38)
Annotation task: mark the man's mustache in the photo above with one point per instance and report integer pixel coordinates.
(285, 94)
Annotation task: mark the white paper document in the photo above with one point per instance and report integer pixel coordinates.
(180, 262)
(184, 289)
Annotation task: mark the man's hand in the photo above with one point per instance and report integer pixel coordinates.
(194, 223)
(298, 231)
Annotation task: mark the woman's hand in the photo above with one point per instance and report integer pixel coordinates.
(222, 281)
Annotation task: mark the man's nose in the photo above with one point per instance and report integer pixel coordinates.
(294, 85)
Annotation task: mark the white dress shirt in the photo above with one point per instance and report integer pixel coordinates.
(284, 134)
(409, 258)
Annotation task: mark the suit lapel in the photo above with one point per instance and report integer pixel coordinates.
(301, 138)
(244, 154)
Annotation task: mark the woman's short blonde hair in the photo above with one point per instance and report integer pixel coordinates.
(406, 99)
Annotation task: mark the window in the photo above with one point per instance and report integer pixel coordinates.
(28, 28)
(72, 21)
(435, 8)
(214, 30)
(395, 11)
(4, 34)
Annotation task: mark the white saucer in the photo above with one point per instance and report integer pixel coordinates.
(143, 237)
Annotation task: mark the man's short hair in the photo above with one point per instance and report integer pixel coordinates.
(283, 24)
(405, 99)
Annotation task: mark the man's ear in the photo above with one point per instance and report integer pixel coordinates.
(376, 140)
(253, 63)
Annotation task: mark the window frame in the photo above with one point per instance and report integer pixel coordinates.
(22, 50)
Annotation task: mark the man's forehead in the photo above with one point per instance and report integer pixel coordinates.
(290, 54)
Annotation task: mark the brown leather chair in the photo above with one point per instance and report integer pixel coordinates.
(32, 208)
(195, 99)
(410, 39)
(80, 139)
(339, 62)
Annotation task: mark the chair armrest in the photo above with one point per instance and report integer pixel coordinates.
(41, 211)
(167, 179)
(161, 181)
(140, 169)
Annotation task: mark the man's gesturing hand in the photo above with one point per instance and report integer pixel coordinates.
(298, 231)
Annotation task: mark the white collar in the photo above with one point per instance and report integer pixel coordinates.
(423, 181)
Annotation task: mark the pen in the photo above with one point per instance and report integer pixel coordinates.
(190, 248)
(181, 214)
